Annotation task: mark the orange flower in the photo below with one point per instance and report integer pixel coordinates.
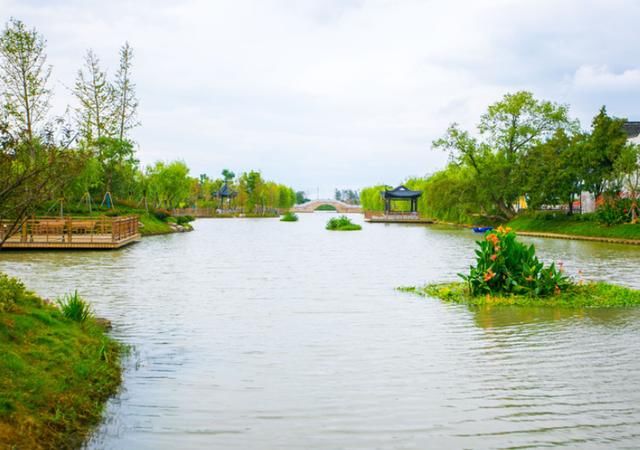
(493, 238)
(557, 290)
(529, 278)
(494, 257)
(489, 275)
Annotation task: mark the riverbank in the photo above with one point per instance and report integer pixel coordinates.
(589, 295)
(583, 227)
(55, 374)
(560, 226)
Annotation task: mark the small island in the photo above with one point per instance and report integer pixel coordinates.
(342, 223)
(508, 273)
(289, 217)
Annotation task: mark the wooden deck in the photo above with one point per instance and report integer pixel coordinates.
(72, 233)
(395, 218)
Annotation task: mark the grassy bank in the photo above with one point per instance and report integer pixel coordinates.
(590, 295)
(55, 373)
(576, 225)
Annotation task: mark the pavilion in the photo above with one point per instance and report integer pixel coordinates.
(401, 193)
(225, 193)
(391, 215)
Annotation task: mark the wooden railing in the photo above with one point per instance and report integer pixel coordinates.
(395, 214)
(72, 229)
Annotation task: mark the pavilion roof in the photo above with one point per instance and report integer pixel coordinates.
(399, 193)
(225, 191)
(632, 129)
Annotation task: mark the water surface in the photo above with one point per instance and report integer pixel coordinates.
(257, 334)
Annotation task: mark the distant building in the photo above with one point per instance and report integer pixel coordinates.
(633, 131)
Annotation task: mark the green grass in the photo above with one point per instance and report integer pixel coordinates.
(325, 208)
(56, 374)
(575, 225)
(342, 223)
(151, 225)
(589, 295)
(289, 217)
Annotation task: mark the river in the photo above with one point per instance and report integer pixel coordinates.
(260, 334)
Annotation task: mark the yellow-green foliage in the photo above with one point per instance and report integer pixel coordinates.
(370, 198)
(55, 373)
(449, 195)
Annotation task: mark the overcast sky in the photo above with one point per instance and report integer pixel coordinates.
(331, 93)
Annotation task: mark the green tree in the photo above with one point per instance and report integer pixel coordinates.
(169, 183)
(301, 197)
(117, 157)
(628, 166)
(602, 148)
(550, 172)
(24, 75)
(508, 130)
(228, 175)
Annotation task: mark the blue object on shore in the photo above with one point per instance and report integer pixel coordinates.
(482, 229)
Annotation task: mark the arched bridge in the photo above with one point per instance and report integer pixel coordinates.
(341, 207)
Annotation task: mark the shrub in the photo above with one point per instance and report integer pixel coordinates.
(181, 220)
(75, 307)
(161, 214)
(11, 292)
(505, 266)
(615, 211)
(289, 217)
(342, 223)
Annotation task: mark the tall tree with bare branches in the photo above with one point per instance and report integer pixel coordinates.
(96, 97)
(24, 74)
(126, 103)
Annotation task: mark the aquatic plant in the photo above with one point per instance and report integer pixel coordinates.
(289, 217)
(506, 266)
(342, 223)
(75, 307)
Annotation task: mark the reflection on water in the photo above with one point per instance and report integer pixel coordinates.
(261, 334)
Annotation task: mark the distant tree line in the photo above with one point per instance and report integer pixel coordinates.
(348, 196)
(528, 151)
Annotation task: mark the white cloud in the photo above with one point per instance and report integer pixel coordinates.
(601, 77)
(337, 93)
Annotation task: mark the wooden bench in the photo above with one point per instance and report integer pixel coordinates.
(83, 226)
(50, 227)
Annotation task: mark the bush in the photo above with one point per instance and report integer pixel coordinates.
(289, 217)
(342, 223)
(182, 220)
(161, 214)
(75, 307)
(505, 266)
(11, 292)
(615, 211)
